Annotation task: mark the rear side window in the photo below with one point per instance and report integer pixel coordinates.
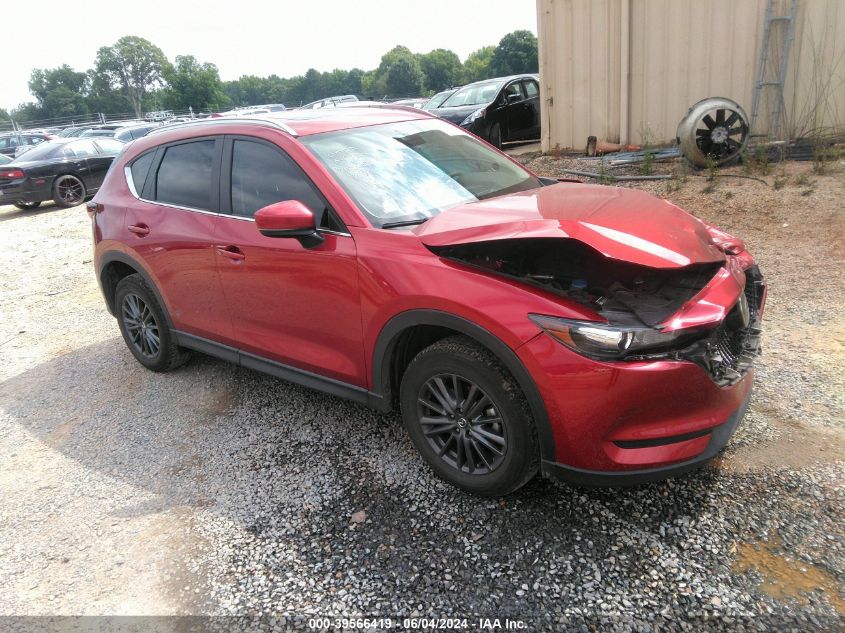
(262, 175)
(109, 145)
(531, 89)
(139, 170)
(184, 175)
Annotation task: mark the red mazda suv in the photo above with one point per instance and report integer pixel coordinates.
(520, 324)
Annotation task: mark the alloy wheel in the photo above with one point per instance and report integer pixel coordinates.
(141, 326)
(70, 190)
(462, 424)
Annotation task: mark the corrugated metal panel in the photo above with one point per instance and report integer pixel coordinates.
(678, 51)
(579, 68)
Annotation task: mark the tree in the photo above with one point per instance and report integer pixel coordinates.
(399, 73)
(4, 115)
(478, 65)
(60, 92)
(103, 97)
(135, 65)
(442, 69)
(191, 84)
(516, 54)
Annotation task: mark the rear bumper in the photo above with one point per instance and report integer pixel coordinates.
(23, 191)
(717, 439)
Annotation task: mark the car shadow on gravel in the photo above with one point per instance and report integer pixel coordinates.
(10, 213)
(331, 505)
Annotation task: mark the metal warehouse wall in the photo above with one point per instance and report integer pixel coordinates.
(629, 69)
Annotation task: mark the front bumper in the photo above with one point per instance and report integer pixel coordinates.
(717, 438)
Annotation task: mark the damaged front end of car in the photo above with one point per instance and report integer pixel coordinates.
(708, 313)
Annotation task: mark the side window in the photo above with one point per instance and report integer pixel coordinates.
(34, 140)
(109, 146)
(184, 175)
(514, 89)
(139, 169)
(531, 89)
(81, 149)
(262, 175)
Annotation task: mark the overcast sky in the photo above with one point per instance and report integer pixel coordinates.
(257, 37)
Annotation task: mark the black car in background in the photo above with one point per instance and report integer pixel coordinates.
(65, 170)
(498, 110)
(131, 132)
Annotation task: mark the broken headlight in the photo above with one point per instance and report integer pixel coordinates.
(607, 342)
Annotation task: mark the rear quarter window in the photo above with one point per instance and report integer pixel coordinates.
(138, 170)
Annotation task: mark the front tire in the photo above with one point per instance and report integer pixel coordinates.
(144, 327)
(468, 418)
(496, 136)
(26, 206)
(68, 191)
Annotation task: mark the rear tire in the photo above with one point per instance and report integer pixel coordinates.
(144, 326)
(468, 418)
(26, 206)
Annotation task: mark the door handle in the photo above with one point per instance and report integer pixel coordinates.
(231, 252)
(140, 230)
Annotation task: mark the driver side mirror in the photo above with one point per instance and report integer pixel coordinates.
(512, 98)
(289, 218)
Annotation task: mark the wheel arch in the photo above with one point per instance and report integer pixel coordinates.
(432, 325)
(114, 266)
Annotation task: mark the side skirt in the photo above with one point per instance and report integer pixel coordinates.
(280, 370)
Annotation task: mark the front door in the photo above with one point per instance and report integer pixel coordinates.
(293, 305)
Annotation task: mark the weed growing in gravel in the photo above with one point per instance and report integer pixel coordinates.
(780, 181)
(804, 181)
(761, 161)
(822, 155)
(729, 195)
(647, 166)
(604, 174)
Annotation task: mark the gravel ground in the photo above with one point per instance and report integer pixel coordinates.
(216, 490)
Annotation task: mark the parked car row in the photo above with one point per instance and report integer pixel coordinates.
(65, 170)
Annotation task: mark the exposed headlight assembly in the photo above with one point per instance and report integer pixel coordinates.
(472, 118)
(608, 342)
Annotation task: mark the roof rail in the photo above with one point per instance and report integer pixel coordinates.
(221, 121)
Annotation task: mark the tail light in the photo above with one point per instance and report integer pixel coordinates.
(12, 174)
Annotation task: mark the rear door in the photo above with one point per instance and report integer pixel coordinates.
(294, 305)
(171, 228)
(99, 163)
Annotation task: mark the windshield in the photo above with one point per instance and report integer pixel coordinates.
(413, 170)
(437, 100)
(474, 94)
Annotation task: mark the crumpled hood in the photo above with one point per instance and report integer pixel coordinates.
(623, 224)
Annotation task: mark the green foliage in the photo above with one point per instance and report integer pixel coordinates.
(478, 65)
(4, 115)
(134, 74)
(133, 64)
(516, 53)
(195, 85)
(442, 69)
